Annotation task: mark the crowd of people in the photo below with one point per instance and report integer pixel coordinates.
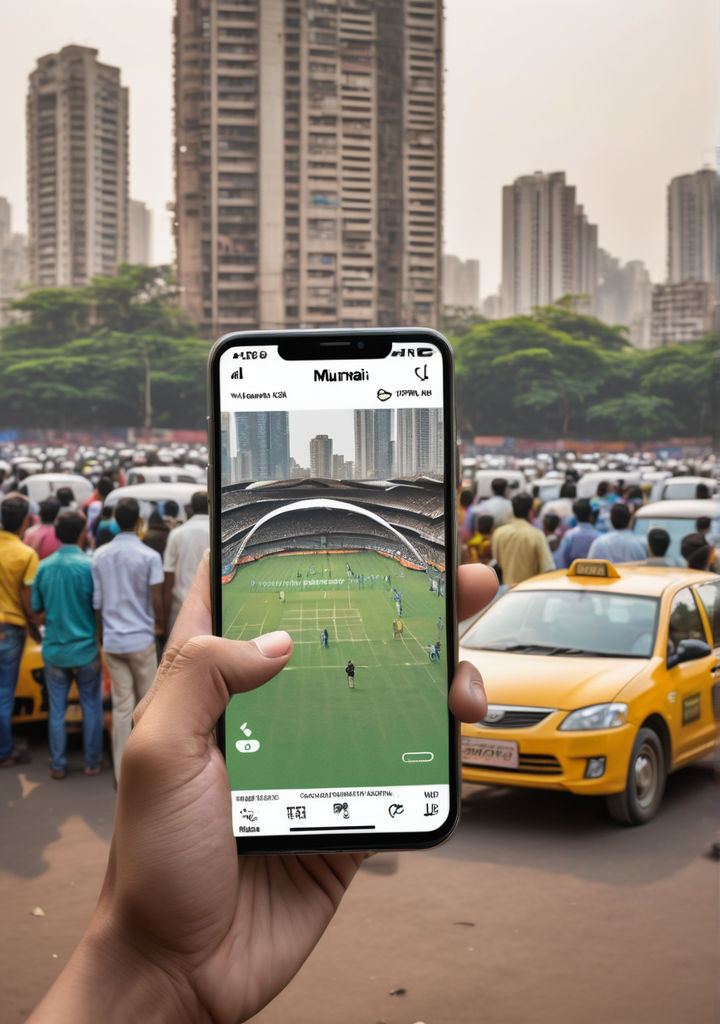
(521, 537)
(79, 579)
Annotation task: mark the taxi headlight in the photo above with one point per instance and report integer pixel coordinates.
(597, 716)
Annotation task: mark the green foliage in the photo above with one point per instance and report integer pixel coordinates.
(118, 353)
(121, 353)
(52, 316)
(559, 374)
(138, 298)
(636, 416)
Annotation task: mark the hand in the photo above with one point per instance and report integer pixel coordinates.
(183, 925)
(34, 632)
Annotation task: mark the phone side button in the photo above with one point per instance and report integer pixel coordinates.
(411, 756)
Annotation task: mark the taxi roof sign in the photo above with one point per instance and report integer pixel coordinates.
(597, 567)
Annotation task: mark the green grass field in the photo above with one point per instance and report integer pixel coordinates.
(313, 730)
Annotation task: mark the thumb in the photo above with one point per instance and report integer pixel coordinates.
(187, 700)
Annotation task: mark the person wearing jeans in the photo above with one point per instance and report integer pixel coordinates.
(12, 644)
(89, 686)
(18, 565)
(63, 593)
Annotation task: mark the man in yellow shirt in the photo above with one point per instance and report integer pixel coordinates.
(18, 565)
(520, 549)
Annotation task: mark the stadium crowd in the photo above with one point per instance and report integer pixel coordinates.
(413, 508)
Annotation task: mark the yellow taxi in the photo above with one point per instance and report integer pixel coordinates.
(600, 679)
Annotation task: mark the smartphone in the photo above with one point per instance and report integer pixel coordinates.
(333, 516)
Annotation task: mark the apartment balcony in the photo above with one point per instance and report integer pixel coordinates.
(323, 104)
(354, 248)
(328, 202)
(320, 316)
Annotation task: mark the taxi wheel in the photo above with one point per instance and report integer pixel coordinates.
(643, 793)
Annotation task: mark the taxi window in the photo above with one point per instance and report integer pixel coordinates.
(685, 621)
(709, 594)
(568, 622)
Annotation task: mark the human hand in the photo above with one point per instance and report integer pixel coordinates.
(184, 926)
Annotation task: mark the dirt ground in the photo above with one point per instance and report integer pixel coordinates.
(538, 909)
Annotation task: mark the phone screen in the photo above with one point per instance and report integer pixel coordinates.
(333, 519)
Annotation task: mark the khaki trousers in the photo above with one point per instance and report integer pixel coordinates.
(131, 676)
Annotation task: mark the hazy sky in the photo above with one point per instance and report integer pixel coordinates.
(336, 423)
(621, 94)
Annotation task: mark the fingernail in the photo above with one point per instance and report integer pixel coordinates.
(476, 685)
(273, 645)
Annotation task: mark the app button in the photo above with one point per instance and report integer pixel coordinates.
(413, 756)
(247, 746)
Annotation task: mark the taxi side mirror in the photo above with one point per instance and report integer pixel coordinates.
(688, 650)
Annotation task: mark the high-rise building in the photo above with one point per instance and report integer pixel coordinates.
(13, 262)
(321, 456)
(373, 444)
(140, 244)
(341, 468)
(461, 282)
(77, 168)
(624, 296)
(681, 313)
(693, 226)
(331, 214)
(225, 465)
(419, 442)
(549, 247)
(262, 445)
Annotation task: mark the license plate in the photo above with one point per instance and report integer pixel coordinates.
(493, 753)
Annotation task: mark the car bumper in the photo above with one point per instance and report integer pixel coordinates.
(550, 759)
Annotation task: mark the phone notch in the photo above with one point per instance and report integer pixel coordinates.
(353, 345)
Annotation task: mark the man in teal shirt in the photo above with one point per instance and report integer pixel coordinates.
(64, 592)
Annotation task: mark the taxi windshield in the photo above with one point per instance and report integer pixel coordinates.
(567, 623)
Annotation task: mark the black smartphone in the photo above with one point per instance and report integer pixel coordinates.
(333, 516)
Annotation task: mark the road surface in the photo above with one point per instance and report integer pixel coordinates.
(539, 909)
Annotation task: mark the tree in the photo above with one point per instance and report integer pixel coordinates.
(519, 376)
(563, 316)
(558, 373)
(138, 298)
(93, 356)
(53, 316)
(635, 417)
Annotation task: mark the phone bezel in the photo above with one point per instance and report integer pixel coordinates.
(345, 842)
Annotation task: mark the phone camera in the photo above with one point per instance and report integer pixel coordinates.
(360, 345)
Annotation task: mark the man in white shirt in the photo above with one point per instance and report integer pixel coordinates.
(128, 601)
(498, 506)
(620, 544)
(185, 547)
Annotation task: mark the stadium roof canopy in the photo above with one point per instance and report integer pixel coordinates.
(328, 503)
